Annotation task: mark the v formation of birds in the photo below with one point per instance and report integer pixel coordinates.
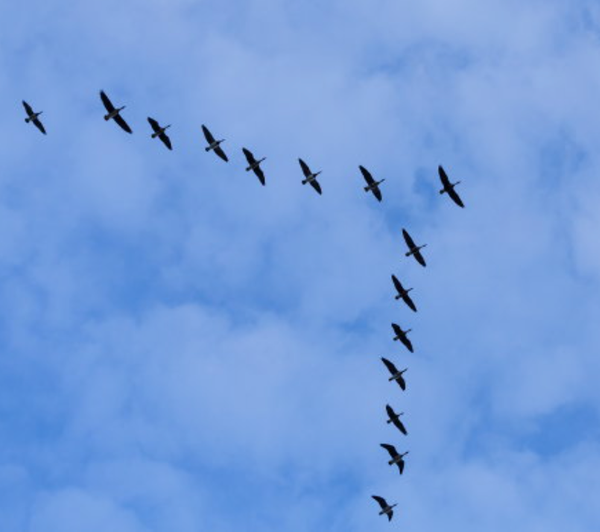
(310, 177)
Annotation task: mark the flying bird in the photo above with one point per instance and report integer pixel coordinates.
(213, 144)
(113, 112)
(395, 374)
(385, 507)
(310, 177)
(395, 419)
(160, 132)
(396, 457)
(449, 187)
(33, 117)
(401, 335)
(403, 294)
(413, 249)
(254, 165)
(372, 185)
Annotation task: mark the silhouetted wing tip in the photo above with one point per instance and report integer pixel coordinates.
(124, 125)
(221, 153)
(106, 101)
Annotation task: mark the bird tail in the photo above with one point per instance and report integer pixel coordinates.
(28, 120)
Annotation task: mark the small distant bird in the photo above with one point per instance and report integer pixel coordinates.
(310, 177)
(396, 457)
(254, 165)
(33, 117)
(413, 249)
(401, 335)
(160, 132)
(114, 112)
(385, 507)
(403, 294)
(449, 187)
(395, 374)
(395, 419)
(372, 185)
(213, 144)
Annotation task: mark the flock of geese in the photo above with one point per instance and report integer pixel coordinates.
(310, 177)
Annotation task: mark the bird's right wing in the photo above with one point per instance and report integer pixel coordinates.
(455, 197)
(315, 184)
(367, 175)
(443, 177)
(305, 169)
(249, 156)
(166, 140)
(107, 103)
(153, 124)
(380, 500)
(390, 449)
(39, 125)
(409, 302)
(260, 174)
(124, 125)
(28, 108)
(397, 284)
(409, 241)
(390, 366)
(397, 329)
(207, 134)
(419, 257)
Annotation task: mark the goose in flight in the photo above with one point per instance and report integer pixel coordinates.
(401, 335)
(160, 132)
(396, 457)
(213, 144)
(413, 249)
(372, 185)
(33, 117)
(449, 187)
(113, 112)
(386, 509)
(403, 294)
(254, 165)
(395, 374)
(395, 419)
(309, 176)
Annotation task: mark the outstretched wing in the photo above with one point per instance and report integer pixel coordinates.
(381, 501)
(390, 449)
(400, 426)
(376, 192)
(249, 156)
(39, 125)
(444, 178)
(153, 124)
(397, 330)
(409, 241)
(166, 140)
(28, 108)
(106, 101)
(397, 284)
(400, 465)
(315, 184)
(390, 514)
(419, 257)
(260, 174)
(390, 366)
(401, 382)
(409, 302)
(207, 134)
(407, 343)
(124, 125)
(305, 169)
(455, 197)
(219, 151)
(367, 175)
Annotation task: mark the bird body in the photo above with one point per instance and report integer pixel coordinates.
(254, 165)
(310, 177)
(396, 457)
(372, 185)
(113, 113)
(403, 294)
(213, 144)
(33, 117)
(395, 419)
(160, 132)
(413, 249)
(386, 509)
(402, 336)
(448, 187)
(395, 374)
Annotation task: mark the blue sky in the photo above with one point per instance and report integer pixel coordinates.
(183, 349)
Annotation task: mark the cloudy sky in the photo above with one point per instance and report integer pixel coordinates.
(182, 349)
